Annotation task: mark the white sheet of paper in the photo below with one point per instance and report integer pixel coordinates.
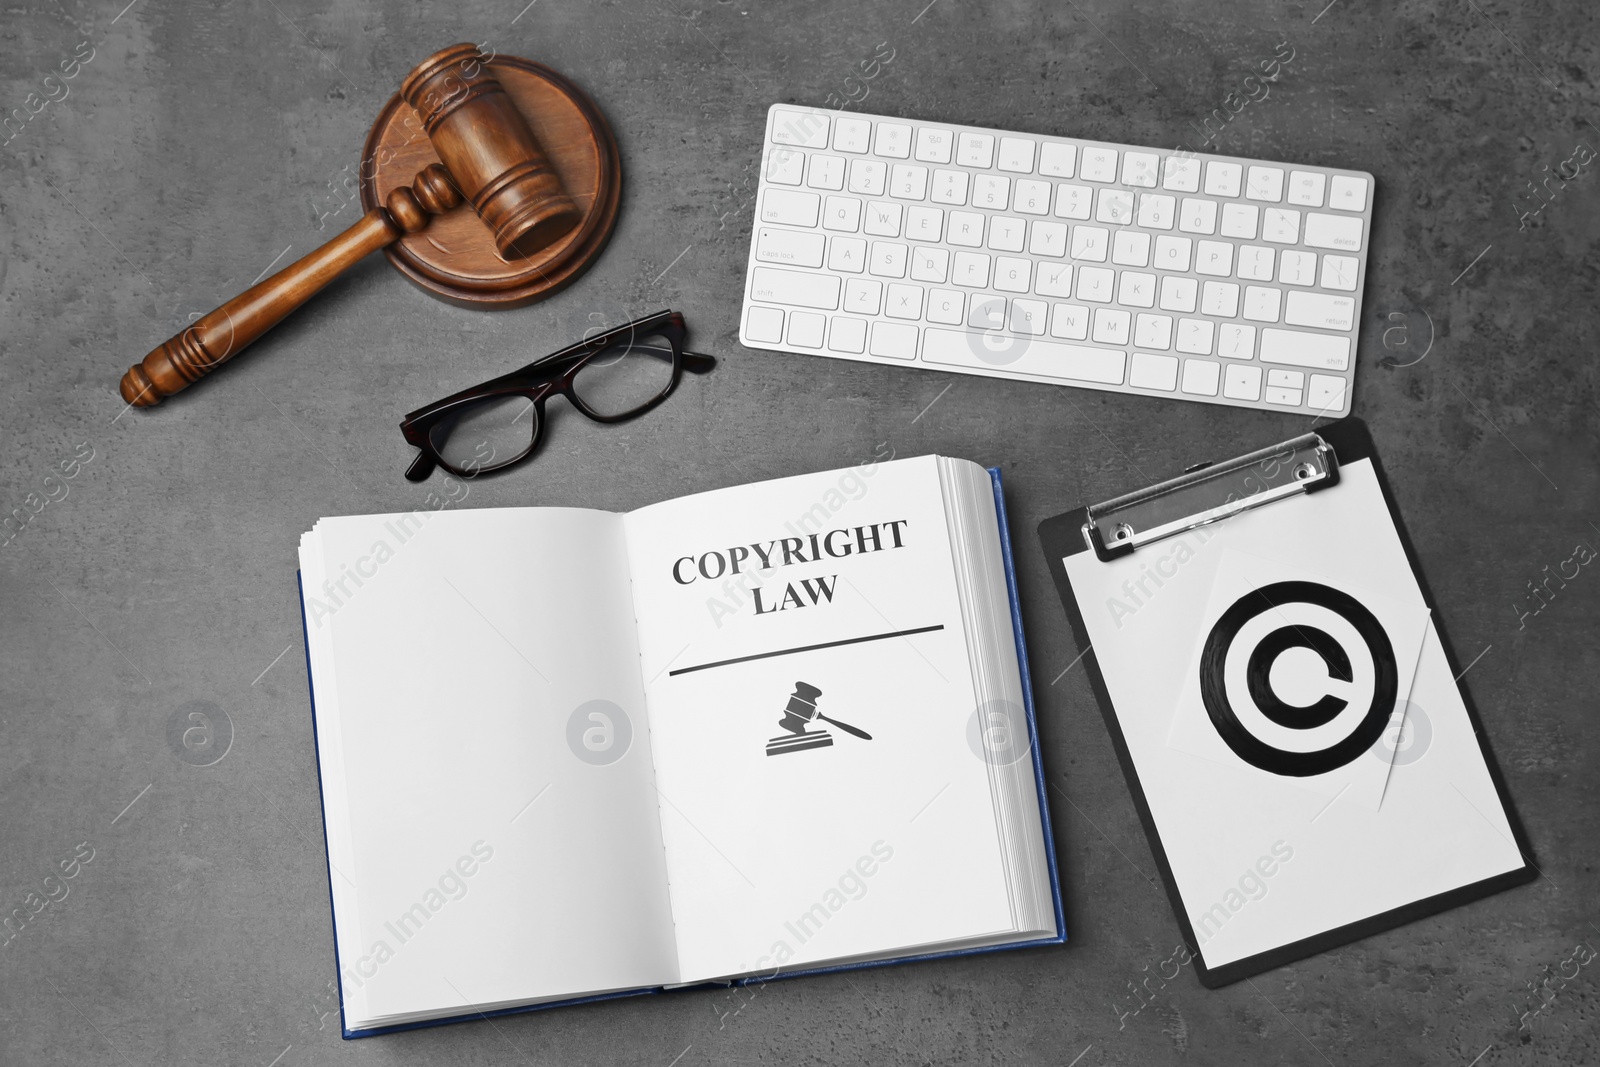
(1299, 675)
(768, 855)
(1440, 826)
(456, 684)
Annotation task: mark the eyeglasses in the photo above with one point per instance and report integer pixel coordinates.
(611, 377)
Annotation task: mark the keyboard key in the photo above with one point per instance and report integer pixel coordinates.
(904, 301)
(1298, 268)
(1327, 393)
(773, 286)
(863, 296)
(975, 150)
(1222, 179)
(1264, 183)
(1136, 289)
(1139, 169)
(1006, 233)
(894, 340)
(1072, 201)
(1316, 351)
(1236, 341)
(1181, 175)
(1239, 220)
(1152, 331)
(1261, 303)
(1255, 263)
(1157, 211)
(1201, 376)
(893, 140)
(1028, 316)
(971, 270)
(791, 247)
(1012, 275)
(847, 335)
(1057, 160)
(1033, 197)
(1333, 231)
(790, 207)
(1016, 155)
(1154, 372)
(1347, 193)
(847, 254)
(1286, 397)
(1094, 283)
(1047, 359)
(1070, 321)
(1172, 253)
(1098, 165)
(826, 172)
(1195, 335)
(764, 324)
(1242, 381)
(930, 264)
(949, 187)
(1179, 294)
(1219, 299)
(1320, 310)
(966, 228)
(786, 166)
(1280, 225)
(1286, 379)
(1116, 207)
(1111, 326)
(1053, 279)
(805, 329)
(807, 129)
(924, 223)
(1091, 243)
(1131, 248)
(888, 260)
(841, 213)
(883, 218)
(946, 306)
(852, 135)
(1198, 216)
(934, 145)
(991, 190)
(1339, 272)
(1047, 239)
(1214, 257)
(1306, 188)
(988, 313)
(908, 182)
(867, 176)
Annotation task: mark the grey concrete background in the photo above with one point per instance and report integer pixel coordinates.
(203, 142)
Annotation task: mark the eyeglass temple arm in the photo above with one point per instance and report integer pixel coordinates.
(697, 363)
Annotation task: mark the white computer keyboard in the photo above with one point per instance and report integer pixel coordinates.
(1055, 259)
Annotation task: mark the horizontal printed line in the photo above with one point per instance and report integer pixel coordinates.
(806, 648)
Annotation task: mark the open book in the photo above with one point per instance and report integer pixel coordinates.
(745, 734)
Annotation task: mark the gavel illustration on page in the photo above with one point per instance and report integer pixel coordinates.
(490, 158)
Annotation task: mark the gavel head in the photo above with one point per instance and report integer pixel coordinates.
(801, 709)
(491, 154)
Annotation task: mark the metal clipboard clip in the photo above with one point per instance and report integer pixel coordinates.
(1208, 493)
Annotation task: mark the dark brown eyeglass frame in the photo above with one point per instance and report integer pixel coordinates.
(539, 381)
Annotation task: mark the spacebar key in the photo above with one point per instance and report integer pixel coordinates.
(1025, 355)
(773, 286)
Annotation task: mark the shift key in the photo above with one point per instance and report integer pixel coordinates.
(772, 286)
(1319, 351)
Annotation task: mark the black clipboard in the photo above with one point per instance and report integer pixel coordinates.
(1210, 493)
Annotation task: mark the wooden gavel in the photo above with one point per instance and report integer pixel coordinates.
(490, 158)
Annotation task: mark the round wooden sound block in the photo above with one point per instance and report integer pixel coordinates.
(455, 258)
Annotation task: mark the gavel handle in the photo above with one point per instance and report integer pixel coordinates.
(222, 334)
